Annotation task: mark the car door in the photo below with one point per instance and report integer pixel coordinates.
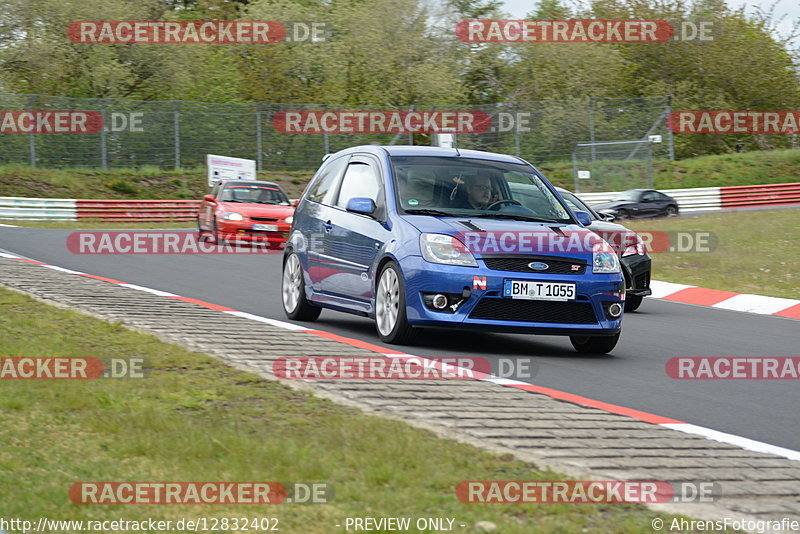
(206, 210)
(308, 232)
(650, 204)
(353, 240)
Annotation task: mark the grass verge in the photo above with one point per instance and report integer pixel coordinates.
(757, 252)
(195, 419)
(766, 167)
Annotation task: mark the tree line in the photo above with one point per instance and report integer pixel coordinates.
(405, 52)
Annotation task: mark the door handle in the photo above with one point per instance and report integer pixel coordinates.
(328, 226)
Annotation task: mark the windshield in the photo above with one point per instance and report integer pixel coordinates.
(254, 194)
(473, 188)
(577, 204)
(627, 196)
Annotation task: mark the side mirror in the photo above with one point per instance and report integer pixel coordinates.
(209, 198)
(294, 202)
(607, 217)
(363, 205)
(583, 217)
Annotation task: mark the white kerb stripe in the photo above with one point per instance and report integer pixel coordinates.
(63, 270)
(731, 439)
(664, 289)
(756, 304)
(273, 322)
(149, 290)
(4, 255)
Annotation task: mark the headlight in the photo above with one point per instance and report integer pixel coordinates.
(605, 261)
(637, 247)
(232, 216)
(289, 219)
(440, 248)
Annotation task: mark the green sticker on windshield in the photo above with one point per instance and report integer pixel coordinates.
(413, 202)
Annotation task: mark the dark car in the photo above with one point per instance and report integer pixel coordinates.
(636, 262)
(639, 203)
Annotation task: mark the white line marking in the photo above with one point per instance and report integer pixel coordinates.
(273, 322)
(732, 439)
(9, 225)
(663, 289)
(4, 255)
(149, 290)
(63, 270)
(504, 381)
(756, 304)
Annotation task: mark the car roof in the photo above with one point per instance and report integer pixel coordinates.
(408, 150)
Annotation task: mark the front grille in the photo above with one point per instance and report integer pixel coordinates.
(534, 311)
(264, 219)
(519, 264)
(643, 281)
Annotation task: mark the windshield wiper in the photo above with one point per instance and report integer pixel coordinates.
(491, 215)
(430, 212)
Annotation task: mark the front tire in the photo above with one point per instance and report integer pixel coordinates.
(632, 302)
(293, 292)
(622, 214)
(672, 211)
(594, 344)
(391, 321)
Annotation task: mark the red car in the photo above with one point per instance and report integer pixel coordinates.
(246, 210)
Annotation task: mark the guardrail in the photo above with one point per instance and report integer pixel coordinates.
(55, 209)
(137, 210)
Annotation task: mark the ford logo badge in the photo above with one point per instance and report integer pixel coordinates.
(538, 266)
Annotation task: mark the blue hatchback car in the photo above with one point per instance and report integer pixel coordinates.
(441, 237)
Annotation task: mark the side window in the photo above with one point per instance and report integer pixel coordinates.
(321, 189)
(650, 196)
(360, 180)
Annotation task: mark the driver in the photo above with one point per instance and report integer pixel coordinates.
(479, 190)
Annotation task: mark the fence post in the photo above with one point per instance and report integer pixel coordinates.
(591, 127)
(667, 112)
(177, 129)
(31, 138)
(103, 146)
(258, 137)
(516, 129)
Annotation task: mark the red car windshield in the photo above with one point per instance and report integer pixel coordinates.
(254, 194)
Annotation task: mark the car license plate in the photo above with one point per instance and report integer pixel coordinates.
(534, 290)
(266, 227)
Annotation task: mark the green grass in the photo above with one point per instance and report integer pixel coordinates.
(775, 166)
(757, 252)
(748, 168)
(145, 183)
(194, 419)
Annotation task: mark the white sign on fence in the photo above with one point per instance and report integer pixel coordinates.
(226, 168)
(584, 175)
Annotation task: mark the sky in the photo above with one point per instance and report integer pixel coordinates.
(790, 8)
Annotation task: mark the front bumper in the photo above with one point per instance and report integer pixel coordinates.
(586, 315)
(637, 268)
(243, 231)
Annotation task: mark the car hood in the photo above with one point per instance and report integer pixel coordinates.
(463, 226)
(610, 205)
(258, 210)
